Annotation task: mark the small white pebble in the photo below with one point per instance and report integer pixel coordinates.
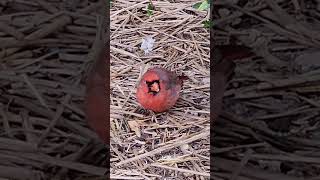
(184, 148)
(147, 44)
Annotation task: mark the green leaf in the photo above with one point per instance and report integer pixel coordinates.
(149, 9)
(201, 6)
(197, 5)
(204, 6)
(207, 23)
(149, 12)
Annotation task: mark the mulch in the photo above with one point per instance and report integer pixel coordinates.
(269, 127)
(46, 51)
(174, 144)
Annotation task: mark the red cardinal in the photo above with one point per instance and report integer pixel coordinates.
(159, 89)
(96, 100)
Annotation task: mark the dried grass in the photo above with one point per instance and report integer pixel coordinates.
(173, 144)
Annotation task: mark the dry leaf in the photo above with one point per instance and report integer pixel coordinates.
(135, 126)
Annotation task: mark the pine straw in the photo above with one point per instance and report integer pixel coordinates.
(45, 52)
(174, 144)
(270, 127)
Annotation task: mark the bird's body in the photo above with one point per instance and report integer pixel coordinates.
(96, 99)
(159, 89)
